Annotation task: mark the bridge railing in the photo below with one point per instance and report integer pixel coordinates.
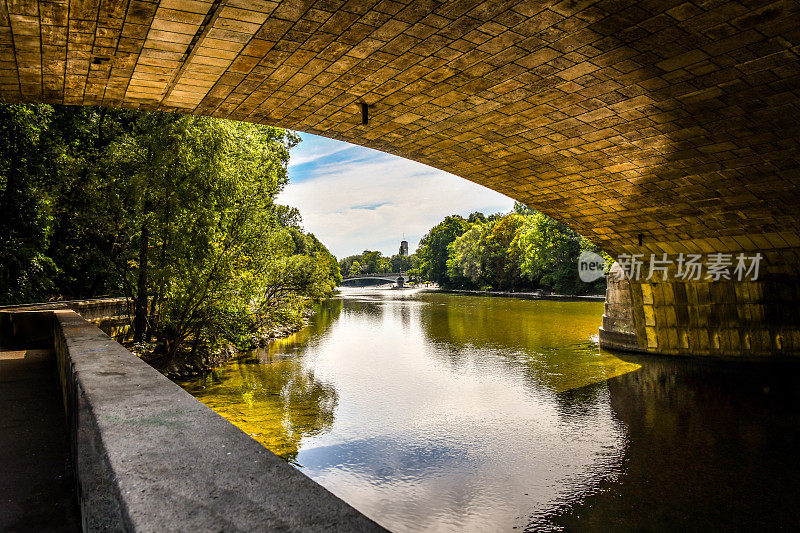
(377, 275)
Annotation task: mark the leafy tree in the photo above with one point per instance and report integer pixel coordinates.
(550, 253)
(486, 254)
(524, 249)
(224, 267)
(26, 171)
(476, 218)
(370, 262)
(288, 217)
(466, 255)
(432, 250)
(522, 209)
(501, 255)
(177, 212)
(383, 265)
(401, 263)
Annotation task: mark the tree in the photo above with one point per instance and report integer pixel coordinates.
(177, 212)
(432, 250)
(524, 210)
(466, 255)
(486, 255)
(501, 256)
(401, 263)
(550, 253)
(476, 218)
(184, 181)
(26, 171)
(383, 265)
(226, 266)
(370, 262)
(523, 249)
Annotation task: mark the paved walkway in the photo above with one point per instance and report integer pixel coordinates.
(37, 490)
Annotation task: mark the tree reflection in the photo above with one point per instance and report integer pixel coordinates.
(278, 403)
(325, 314)
(550, 350)
(274, 397)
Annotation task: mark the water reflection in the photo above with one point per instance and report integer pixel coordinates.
(435, 411)
(711, 446)
(273, 397)
(551, 343)
(429, 411)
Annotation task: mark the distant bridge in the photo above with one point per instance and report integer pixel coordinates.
(389, 278)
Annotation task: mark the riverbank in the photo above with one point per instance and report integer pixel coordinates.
(523, 295)
(187, 366)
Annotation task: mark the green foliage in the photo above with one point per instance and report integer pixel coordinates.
(373, 262)
(550, 253)
(176, 212)
(522, 209)
(476, 218)
(433, 249)
(466, 255)
(355, 269)
(522, 250)
(401, 263)
(501, 255)
(26, 172)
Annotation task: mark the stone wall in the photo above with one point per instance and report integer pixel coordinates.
(618, 331)
(730, 319)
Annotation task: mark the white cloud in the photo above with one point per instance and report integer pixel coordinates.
(315, 154)
(364, 199)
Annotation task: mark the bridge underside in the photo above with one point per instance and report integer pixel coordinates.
(656, 126)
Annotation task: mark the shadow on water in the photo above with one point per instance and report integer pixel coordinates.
(711, 445)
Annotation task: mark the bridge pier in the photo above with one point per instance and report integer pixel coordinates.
(724, 319)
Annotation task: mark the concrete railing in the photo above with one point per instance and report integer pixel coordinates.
(90, 309)
(19, 328)
(150, 457)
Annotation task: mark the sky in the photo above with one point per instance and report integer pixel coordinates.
(355, 199)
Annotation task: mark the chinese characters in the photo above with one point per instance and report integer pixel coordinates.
(715, 266)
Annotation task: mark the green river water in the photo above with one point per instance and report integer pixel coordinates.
(441, 412)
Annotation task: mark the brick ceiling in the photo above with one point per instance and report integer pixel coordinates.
(670, 119)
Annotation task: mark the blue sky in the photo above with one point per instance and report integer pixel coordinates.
(354, 199)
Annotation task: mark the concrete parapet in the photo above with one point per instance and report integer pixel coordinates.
(28, 325)
(149, 457)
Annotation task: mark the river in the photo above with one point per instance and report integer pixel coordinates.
(438, 412)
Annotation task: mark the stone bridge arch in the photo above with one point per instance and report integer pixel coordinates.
(656, 126)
